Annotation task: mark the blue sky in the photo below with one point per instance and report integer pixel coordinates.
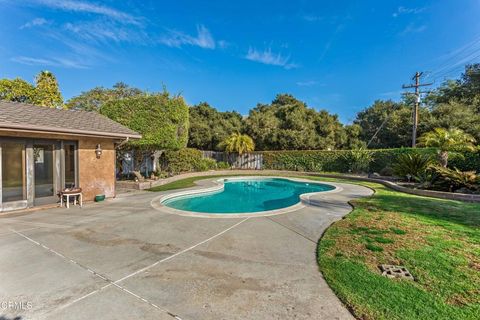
(335, 55)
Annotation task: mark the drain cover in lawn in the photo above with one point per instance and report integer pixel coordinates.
(392, 271)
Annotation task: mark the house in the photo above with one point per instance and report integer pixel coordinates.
(43, 151)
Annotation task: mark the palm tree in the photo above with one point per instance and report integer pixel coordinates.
(447, 140)
(239, 143)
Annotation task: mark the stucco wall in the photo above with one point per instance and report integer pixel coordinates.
(96, 176)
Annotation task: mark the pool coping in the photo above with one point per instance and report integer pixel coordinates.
(157, 202)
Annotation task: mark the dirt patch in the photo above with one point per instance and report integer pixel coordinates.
(111, 240)
(211, 281)
(160, 249)
(366, 228)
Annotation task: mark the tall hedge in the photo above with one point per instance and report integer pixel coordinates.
(336, 161)
(185, 160)
(161, 119)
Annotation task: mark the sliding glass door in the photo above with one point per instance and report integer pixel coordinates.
(34, 171)
(44, 173)
(13, 172)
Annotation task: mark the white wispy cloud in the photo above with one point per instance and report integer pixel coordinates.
(37, 22)
(56, 62)
(93, 8)
(308, 83)
(404, 10)
(203, 39)
(105, 31)
(413, 28)
(75, 49)
(268, 57)
(222, 44)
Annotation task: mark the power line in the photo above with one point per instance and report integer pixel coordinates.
(455, 61)
(460, 53)
(379, 128)
(459, 64)
(417, 86)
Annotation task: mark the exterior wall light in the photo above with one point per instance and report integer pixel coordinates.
(98, 151)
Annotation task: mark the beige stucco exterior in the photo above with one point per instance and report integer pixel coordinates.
(95, 175)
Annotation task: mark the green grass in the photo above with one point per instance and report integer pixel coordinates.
(372, 247)
(437, 240)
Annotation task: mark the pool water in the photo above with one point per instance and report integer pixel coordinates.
(247, 196)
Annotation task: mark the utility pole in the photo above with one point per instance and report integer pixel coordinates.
(417, 86)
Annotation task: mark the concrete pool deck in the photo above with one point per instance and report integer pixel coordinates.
(124, 259)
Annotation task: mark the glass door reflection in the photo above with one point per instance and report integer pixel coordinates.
(44, 170)
(13, 172)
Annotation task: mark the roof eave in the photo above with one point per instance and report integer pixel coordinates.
(77, 132)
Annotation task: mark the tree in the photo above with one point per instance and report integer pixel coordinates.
(455, 114)
(396, 118)
(238, 143)
(447, 140)
(160, 118)
(209, 127)
(17, 90)
(465, 90)
(94, 99)
(349, 137)
(288, 124)
(47, 92)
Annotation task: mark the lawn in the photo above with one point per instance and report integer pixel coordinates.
(437, 240)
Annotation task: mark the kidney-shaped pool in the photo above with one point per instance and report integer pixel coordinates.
(245, 196)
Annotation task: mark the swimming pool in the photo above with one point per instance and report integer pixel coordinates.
(246, 195)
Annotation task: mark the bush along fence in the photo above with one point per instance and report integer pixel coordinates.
(164, 163)
(343, 161)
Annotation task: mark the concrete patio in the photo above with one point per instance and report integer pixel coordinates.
(124, 259)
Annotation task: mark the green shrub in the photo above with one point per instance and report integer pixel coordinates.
(411, 165)
(454, 179)
(335, 160)
(187, 160)
(183, 160)
(328, 161)
(358, 161)
(387, 171)
(223, 165)
(205, 164)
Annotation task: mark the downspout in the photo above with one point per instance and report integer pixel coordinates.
(123, 142)
(115, 165)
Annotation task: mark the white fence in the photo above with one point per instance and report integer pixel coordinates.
(245, 161)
